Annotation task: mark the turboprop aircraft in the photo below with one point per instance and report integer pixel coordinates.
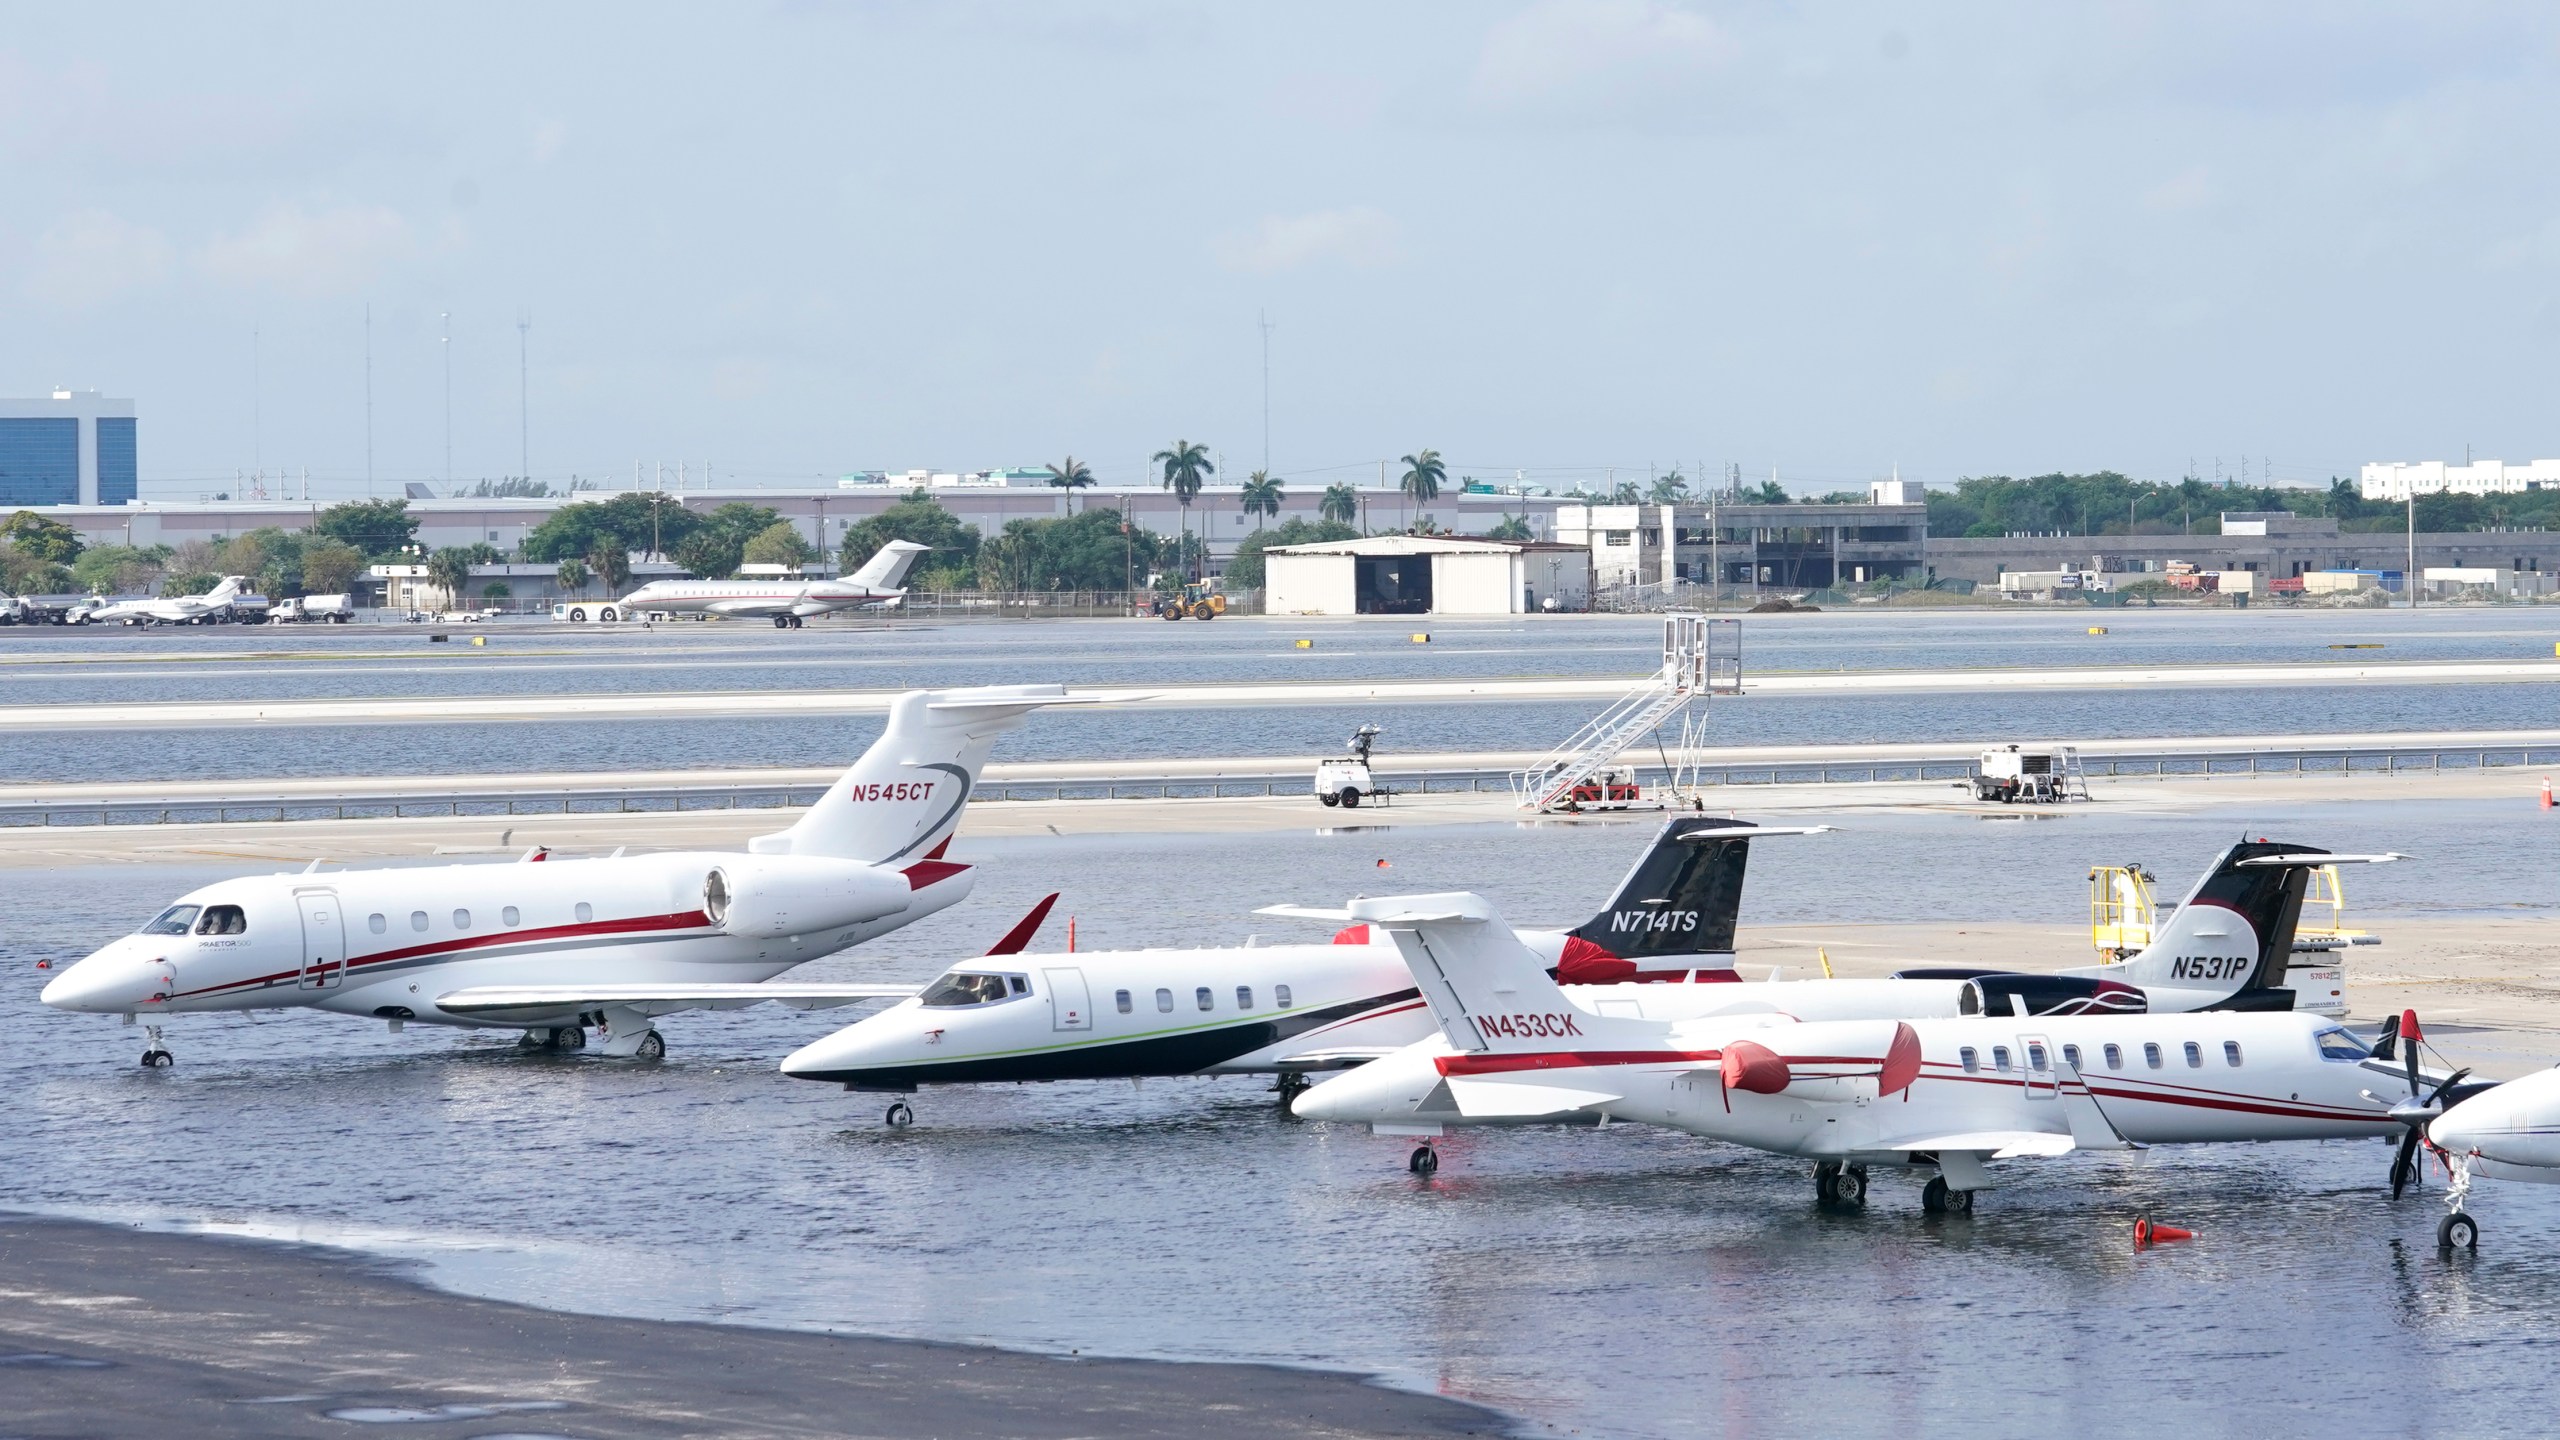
(2500, 1131)
(1282, 1010)
(1941, 1095)
(168, 609)
(557, 946)
(789, 602)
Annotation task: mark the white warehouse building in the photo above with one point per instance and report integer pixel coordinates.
(1425, 575)
(2397, 481)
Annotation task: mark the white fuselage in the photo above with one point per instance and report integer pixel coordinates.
(2247, 1077)
(755, 597)
(1256, 1010)
(2509, 1133)
(389, 942)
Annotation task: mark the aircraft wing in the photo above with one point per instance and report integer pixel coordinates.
(1515, 1100)
(1998, 1144)
(772, 605)
(1342, 1058)
(537, 1002)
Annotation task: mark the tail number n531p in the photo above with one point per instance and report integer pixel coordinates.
(2209, 967)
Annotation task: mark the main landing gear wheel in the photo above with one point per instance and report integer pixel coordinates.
(781, 622)
(2458, 1232)
(653, 1046)
(1289, 1086)
(1937, 1199)
(797, 622)
(900, 1116)
(1423, 1161)
(1842, 1185)
(567, 1037)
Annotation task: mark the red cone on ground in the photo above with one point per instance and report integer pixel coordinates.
(2145, 1233)
(2546, 792)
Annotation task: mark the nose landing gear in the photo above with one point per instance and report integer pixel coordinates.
(1425, 1160)
(900, 1116)
(156, 1056)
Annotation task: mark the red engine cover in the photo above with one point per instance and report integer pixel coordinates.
(1754, 1067)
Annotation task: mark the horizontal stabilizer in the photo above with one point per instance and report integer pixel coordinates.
(1519, 1100)
(2317, 858)
(1306, 912)
(1998, 1144)
(539, 1002)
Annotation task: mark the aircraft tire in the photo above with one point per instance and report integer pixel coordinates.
(653, 1046)
(1849, 1187)
(157, 1060)
(2458, 1232)
(900, 1116)
(1933, 1196)
(781, 622)
(568, 1037)
(1424, 1161)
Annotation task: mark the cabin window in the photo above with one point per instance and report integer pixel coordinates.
(1972, 1061)
(1123, 997)
(2337, 1044)
(2195, 1055)
(962, 988)
(174, 920)
(586, 912)
(223, 920)
(2000, 1058)
(1164, 1001)
(376, 924)
(2151, 1056)
(2115, 1058)
(1280, 996)
(511, 916)
(418, 920)
(1019, 985)
(2036, 1057)
(2231, 1053)
(461, 919)
(1244, 997)
(2071, 1056)
(1208, 998)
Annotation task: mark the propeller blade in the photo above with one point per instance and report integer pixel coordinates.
(2449, 1082)
(2404, 1166)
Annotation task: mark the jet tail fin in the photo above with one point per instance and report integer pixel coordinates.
(903, 798)
(1489, 991)
(2233, 934)
(1682, 900)
(888, 565)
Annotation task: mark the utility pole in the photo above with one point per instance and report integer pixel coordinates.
(2409, 577)
(1266, 392)
(444, 330)
(257, 440)
(524, 412)
(368, 399)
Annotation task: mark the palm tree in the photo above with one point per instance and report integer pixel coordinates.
(449, 570)
(1671, 489)
(611, 564)
(1511, 527)
(1070, 475)
(1262, 496)
(1186, 470)
(1341, 504)
(1422, 476)
(572, 575)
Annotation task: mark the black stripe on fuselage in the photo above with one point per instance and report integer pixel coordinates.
(1186, 1053)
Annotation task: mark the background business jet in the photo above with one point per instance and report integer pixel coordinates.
(880, 581)
(167, 609)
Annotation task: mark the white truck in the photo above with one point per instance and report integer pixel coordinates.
(336, 609)
(2030, 775)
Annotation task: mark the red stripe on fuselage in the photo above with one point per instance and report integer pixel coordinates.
(643, 925)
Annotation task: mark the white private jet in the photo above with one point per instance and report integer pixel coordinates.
(789, 602)
(1944, 1095)
(167, 609)
(613, 942)
(1292, 1010)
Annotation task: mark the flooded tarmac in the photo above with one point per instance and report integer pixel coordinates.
(1629, 1282)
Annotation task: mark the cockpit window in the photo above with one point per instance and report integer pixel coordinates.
(223, 920)
(173, 921)
(2337, 1044)
(961, 988)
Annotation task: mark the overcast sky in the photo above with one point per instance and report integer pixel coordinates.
(804, 239)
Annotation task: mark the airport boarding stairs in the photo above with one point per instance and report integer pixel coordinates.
(1700, 657)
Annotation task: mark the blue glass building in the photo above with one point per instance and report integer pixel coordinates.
(73, 447)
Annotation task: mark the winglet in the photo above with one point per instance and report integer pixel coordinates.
(1029, 925)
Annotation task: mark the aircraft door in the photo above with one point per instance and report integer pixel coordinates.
(1070, 1004)
(324, 939)
(2043, 1082)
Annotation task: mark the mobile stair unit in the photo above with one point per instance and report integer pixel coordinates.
(1700, 657)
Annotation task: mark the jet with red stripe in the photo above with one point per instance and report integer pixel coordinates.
(557, 946)
(1941, 1096)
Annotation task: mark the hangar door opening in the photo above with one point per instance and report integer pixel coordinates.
(1392, 584)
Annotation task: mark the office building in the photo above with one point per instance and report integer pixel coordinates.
(72, 447)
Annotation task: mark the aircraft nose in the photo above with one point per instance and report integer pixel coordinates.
(105, 982)
(845, 1054)
(1343, 1097)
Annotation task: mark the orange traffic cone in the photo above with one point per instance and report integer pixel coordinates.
(2546, 792)
(2146, 1234)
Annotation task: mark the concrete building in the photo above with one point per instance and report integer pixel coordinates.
(2274, 557)
(1798, 546)
(1425, 575)
(73, 447)
(2397, 481)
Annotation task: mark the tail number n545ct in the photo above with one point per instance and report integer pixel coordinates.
(899, 790)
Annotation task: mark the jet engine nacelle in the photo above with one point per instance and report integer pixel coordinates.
(2003, 994)
(797, 894)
